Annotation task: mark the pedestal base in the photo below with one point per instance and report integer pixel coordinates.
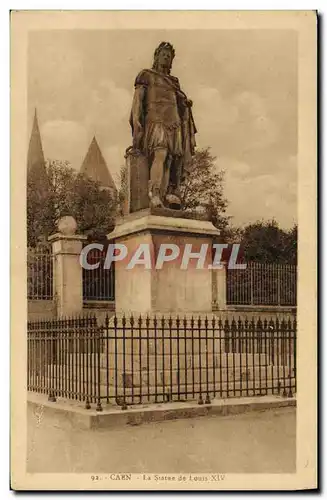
(177, 287)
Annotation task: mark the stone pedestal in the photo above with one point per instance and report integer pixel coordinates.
(68, 277)
(177, 287)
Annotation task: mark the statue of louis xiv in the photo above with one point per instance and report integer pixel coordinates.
(163, 128)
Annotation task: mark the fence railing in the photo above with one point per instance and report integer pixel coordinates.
(39, 275)
(133, 360)
(262, 284)
(98, 283)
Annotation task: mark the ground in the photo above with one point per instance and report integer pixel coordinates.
(253, 442)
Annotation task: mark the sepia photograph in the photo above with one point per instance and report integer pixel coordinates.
(163, 179)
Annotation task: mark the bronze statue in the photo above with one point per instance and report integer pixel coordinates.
(163, 128)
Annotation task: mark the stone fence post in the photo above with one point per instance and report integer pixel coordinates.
(219, 278)
(221, 287)
(67, 271)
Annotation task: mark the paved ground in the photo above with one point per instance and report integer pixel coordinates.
(253, 442)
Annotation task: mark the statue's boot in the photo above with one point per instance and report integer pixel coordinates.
(173, 201)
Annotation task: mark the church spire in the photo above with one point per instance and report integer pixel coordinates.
(35, 158)
(36, 170)
(94, 166)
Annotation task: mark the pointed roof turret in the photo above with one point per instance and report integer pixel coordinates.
(94, 166)
(35, 150)
(36, 169)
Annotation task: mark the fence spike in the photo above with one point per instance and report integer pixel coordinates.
(213, 322)
(123, 320)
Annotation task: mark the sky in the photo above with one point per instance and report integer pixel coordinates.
(243, 84)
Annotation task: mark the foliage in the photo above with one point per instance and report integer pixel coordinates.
(265, 241)
(67, 192)
(268, 279)
(203, 189)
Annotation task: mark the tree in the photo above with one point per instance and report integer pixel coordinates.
(291, 244)
(68, 193)
(40, 209)
(203, 189)
(265, 241)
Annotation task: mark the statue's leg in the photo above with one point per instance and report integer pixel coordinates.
(156, 176)
(165, 177)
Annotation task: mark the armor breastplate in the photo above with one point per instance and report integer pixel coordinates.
(161, 103)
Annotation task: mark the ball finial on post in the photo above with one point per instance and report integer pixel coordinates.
(67, 225)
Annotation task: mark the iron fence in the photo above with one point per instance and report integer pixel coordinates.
(135, 360)
(39, 274)
(262, 284)
(98, 283)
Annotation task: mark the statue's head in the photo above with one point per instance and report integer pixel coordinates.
(163, 56)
